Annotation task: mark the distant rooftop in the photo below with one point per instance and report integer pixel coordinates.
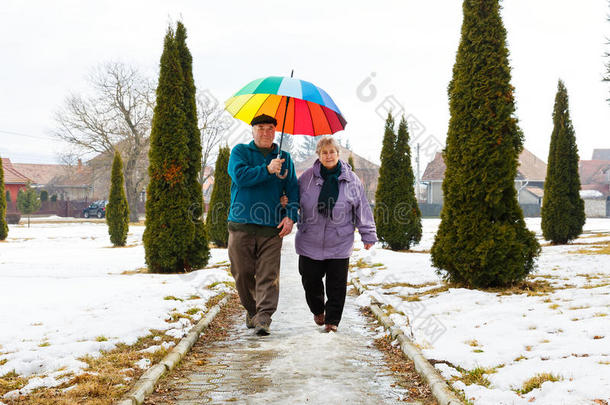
(601, 154)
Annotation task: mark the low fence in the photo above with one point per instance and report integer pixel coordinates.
(60, 208)
(434, 210)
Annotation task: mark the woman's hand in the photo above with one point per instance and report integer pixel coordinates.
(367, 246)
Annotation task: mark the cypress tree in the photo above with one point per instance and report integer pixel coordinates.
(117, 209)
(28, 201)
(198, 252)
(350, 160)
(397, 214)
(218, 211)
(169, 230)
(482, 240)
(384, 195)
(407, 212)
(563, 211)
(308, 147)
(3, 199)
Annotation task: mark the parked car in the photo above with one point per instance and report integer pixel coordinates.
(96, 209)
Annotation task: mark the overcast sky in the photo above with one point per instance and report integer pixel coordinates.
(367, 55)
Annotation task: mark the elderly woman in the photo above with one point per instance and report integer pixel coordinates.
(333, 204)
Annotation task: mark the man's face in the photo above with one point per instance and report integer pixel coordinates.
(263, 135)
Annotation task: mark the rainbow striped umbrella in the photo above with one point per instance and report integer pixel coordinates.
(299, 107)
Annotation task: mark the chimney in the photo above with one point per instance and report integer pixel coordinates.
(80, 165)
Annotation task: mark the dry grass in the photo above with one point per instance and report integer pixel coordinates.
(576, 307)
(141, 270)
(537, 381)
(123, 247)
(532, 287)
(476, 376)
(108, 376)
(106, 379)
(407, 285)
(597, 248)
(360, 263)
(11, 381)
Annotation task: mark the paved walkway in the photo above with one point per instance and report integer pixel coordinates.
(297, 363)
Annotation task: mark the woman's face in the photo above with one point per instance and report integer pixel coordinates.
(329, 156)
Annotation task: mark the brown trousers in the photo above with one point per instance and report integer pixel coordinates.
(255, 265)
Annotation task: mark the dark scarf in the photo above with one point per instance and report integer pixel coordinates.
(330, 189)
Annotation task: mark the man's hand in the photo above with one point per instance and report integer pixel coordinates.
(284, 201)
(285, 226)
(275, 166)
(367, 246)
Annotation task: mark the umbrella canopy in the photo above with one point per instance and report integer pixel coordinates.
(310, 111)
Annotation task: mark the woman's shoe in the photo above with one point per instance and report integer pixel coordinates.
(330, 328)
(319, 319)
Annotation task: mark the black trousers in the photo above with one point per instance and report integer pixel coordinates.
(312, 271)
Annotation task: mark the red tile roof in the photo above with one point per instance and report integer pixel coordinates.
(530, 167)
(40, 173)
(601, 154)
(11, 175)
(435, 169)
(593, 171)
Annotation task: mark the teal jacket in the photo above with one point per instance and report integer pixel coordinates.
(255, 194)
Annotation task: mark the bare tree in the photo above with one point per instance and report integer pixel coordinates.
(213, 126)
(116, 114)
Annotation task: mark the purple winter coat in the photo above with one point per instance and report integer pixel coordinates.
(320, 237)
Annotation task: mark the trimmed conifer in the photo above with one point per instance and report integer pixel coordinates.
(384, 195)
(397, 215)
(169, 229)
(3, 199)
(117, 209)
(407, 212)
(563, 211)
(198, 252)
(482, 240)
(220, 200)
(350, 161)
(28, 201)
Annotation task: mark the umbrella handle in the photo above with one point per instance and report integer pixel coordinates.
(285, 174)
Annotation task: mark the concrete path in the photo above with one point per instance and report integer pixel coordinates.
(297, 363)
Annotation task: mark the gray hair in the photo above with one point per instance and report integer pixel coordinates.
(326, 141)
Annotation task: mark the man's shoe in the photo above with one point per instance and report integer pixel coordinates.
(319, 319)
(330, 328)
(262, 330)
(249, 323)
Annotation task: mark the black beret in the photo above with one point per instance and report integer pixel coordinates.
(263, 119)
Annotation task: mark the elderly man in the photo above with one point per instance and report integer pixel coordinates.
(258, 222)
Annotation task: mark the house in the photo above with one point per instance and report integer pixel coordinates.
(529, 181)
(14, 181)
(595, 181)
(67, 182)
(595, 203)
(601, 154)
(367, 171)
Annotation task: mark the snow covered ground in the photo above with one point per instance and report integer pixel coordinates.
(63, 296)
(509, 338)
